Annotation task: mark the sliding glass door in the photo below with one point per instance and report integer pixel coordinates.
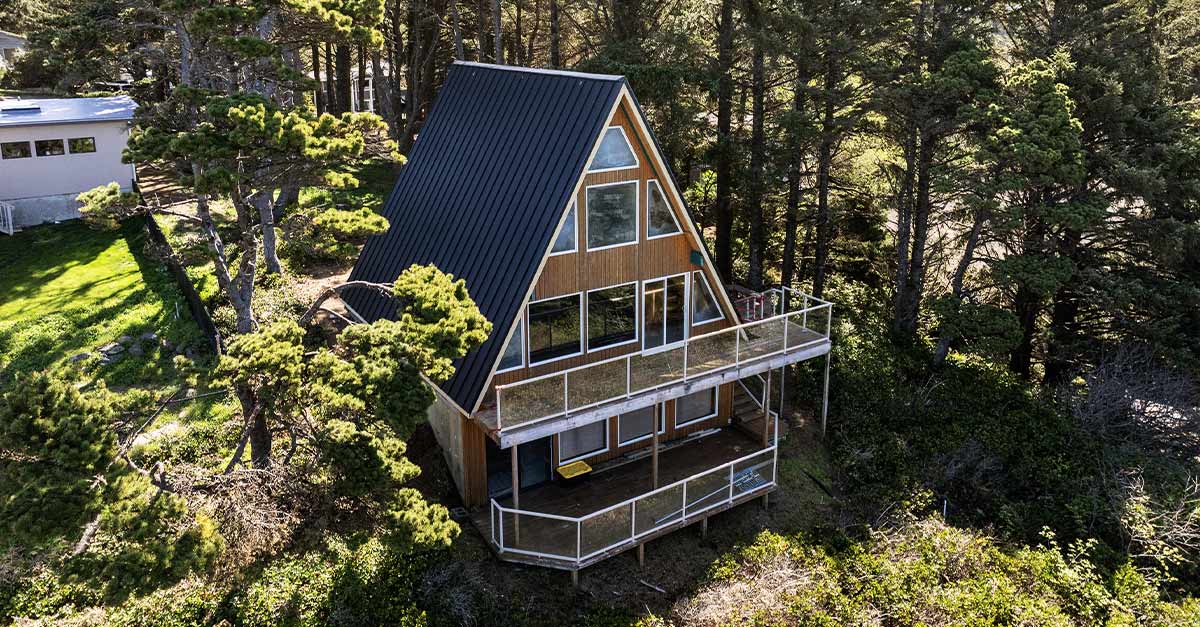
(664, 303)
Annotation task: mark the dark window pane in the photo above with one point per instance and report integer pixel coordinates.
(514, 353)
(582, 441)
(637, 424)
(660, 219)
(15, 150)
(80, 145)
(614, 151)
(554, 328)
(566, 237)
(612, 316)
(676, 309)
(49, 147)
(704, 303)
(695, 406)
(612, 214)
(654, 305)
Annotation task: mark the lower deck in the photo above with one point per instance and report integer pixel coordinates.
(620, 506)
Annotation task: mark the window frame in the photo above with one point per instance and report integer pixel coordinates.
(716, 391)
(662, 427)
(637, 318)
(572, 208)
(687, 311)
(37, 148)
(670, 210)
(637, 210)
(637, 163)
(528, 327)
(520, 328)
(558, 444)
(711, 293)
(28, 147)
(81, 152)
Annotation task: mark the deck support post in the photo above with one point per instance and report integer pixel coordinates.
(575, 579)
(782, 395)
(654, 454)
(766, 438)
(825, 394)
(704, 527)
(516, 496)
(766, 500)
(641, 554)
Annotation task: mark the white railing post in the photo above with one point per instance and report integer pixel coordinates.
(731, 482)
(685, 358)
(566, 386)
(828, 320)
(737, 346)
(501, 526)
(628, 376)
(685, 482)
(578, 539)
(633, 520)
(786, 323)
(499, 415)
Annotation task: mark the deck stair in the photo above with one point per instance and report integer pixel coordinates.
(748, 415)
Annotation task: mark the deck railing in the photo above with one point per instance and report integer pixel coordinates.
(6, 218)
(565, 392)
(576, 540)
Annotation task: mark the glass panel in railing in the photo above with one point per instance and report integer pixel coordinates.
(531, 400)
(707, 490)
(762, 338)
(659, 509)
(655, 369)
(798, 333)
(711, 352)
(596, 384)
(536, 534)
(605, 530)
(753, 473)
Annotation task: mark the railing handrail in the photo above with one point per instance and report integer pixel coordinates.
(626, 502)
(703, 336)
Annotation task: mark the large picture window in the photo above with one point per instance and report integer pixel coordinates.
(554, 329)
(635, 426)
(565, 242)
(582, 442)
(660, 219)
(614, 153)
(514, 352)
(704, 303)
(665, 304)
(695, 407)
(612, 316)
(612, 214)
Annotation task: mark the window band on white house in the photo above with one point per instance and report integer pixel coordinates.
(614, 153)
(581, 442)
(697, 406)
(612, 214)
(566, 242)
(660, 218)
(555, 328)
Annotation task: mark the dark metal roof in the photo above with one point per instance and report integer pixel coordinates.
(483, 192)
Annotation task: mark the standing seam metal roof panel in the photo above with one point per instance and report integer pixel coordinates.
(487, 181)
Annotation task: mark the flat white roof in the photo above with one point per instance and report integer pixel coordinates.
(36, 111)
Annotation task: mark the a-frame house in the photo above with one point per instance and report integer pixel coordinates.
(623, 393)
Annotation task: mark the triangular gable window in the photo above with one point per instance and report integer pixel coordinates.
(704, 304)
(565, 243)
(615, 152)
(660, 220)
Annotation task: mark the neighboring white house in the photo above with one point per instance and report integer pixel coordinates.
(11, 45)
(53, 149)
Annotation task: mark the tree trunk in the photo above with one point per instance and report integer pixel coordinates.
(360, 81)
(380, 88)
(318, 96)
(555, 36)
(456, 25)
(904, 210)
(824, 166)
(344, 87)
(956, 283)
(497, 35)
(758, 236)
(259, 431)
(1063, 315)
(792, 217)
(331, 105)
(724, 206)
(909, 300)
(482, 10)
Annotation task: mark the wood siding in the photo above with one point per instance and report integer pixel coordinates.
(583, 270)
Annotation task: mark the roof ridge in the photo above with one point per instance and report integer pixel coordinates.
(545, 71)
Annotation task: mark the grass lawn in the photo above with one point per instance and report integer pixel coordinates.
(68, 289)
